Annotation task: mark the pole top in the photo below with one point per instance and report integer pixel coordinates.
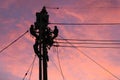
(44, 10)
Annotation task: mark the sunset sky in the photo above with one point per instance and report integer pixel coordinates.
(16, 16)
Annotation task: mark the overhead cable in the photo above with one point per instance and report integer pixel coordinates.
(54, 64)
(30, 68)
(90, 40)
(14, 41)
(60, 65)
(89, 7)
(109, 23)
(86, 46)
(105, 69)
(98, 43)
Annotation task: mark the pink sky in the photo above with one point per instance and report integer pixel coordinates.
(16, 16)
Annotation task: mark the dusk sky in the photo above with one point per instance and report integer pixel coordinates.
(16, 16)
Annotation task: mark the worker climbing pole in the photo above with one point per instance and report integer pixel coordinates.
(44, 39)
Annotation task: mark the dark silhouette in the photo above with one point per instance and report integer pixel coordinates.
(44, 39)
(33, 31)
(46, 56)
(36, 49)
(55, 32)
(44, 17)
(48, 37)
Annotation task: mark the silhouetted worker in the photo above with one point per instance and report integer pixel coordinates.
(33, 31)
(55, 32)
(36, 49)
(48, 37)
(35, 46)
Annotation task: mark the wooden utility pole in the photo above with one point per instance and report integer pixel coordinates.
(44, 40)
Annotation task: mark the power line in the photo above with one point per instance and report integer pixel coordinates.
(87, 23)
(88, 44)
(60, 71)
(52, 7)
(54, 64)
(90, 40)
(105, 69)
(85, 46)
(84, 7)
(14, 41)
(60, 65)
(91, 43)
(30, 67)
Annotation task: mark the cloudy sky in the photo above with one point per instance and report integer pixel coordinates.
(16, 16)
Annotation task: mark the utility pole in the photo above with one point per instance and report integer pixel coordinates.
(44, 39)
